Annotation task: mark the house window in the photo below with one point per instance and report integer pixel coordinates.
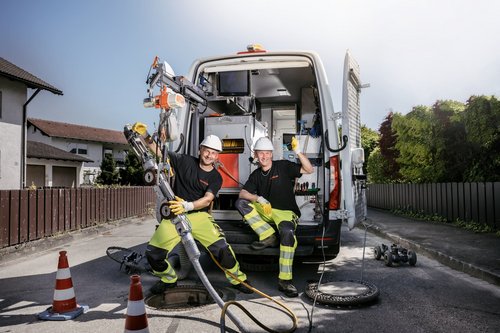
(108, 151)
(78, 148)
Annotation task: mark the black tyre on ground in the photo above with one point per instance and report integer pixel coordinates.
(388, 258)
(412, 258)
(377, 252)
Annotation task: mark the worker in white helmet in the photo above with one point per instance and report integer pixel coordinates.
(268, 198)
(197, 183)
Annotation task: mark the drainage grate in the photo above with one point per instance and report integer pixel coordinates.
(183, 297)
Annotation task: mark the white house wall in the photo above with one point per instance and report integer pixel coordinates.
(13, 99)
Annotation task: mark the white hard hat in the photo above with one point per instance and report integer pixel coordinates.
(264, 144)
(213, 142)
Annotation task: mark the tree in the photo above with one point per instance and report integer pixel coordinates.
(449, 138)
(369, 141)
(388, 150)
(109, 174)
(377, 164)
(481, 120)
(417, 145)
(133, 172)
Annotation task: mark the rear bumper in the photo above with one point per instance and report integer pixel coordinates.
(312, 239)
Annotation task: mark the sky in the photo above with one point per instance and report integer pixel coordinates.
(98, 52)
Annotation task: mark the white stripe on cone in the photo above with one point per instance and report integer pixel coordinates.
(62, 295)
(63, 273)
(136, 308)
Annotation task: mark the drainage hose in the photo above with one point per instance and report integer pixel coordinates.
(288, 312)
(194, 255)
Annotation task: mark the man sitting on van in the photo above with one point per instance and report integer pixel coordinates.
(197, 184)
(268, 197)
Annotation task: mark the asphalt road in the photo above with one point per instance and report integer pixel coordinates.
(426, 298)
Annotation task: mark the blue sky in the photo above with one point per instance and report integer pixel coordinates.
(98, 52)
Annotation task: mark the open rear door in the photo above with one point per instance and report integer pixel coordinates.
(353, 179)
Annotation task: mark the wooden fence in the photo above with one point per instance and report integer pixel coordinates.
(478, 202)
(26, 215)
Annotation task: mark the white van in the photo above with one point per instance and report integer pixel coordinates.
(256, 93)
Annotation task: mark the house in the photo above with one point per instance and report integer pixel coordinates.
(88, 142)
(48, 166)
(14, 101)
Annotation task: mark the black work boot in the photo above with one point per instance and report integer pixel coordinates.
(242, 288)
(160, 287)
(287, 288)
(270, 241)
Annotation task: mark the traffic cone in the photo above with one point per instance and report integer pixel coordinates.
(64, 304)
(136, 320)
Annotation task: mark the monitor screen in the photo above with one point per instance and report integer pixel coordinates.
(235, 83)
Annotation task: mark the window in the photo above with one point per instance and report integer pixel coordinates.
(78, 148)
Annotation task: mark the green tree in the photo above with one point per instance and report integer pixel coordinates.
(377, 165)
(417, 145)
(449, 139)
(369, 141)
(133, 172)
(481, 120)
(109, 174)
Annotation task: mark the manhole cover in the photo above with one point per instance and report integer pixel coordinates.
(343, 288)
(183, 297)
(342, 292)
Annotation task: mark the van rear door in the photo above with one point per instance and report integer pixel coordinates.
(353, 179)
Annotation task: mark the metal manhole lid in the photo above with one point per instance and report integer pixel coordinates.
(344, 288)
(343, 292)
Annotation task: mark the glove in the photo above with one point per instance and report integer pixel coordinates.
(180, 206)
(295, 145)
(266, 205)
(139, 128)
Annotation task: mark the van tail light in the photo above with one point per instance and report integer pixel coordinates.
(334, 202)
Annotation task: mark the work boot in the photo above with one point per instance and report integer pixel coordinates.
(287, 288)
(160, 287)
(270, 241)
(242, 288)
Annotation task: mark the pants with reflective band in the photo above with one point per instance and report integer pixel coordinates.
(205, 231)
(285, 221)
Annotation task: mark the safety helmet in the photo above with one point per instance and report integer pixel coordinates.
(264, 144)
(213, 142)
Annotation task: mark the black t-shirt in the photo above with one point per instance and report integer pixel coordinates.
(192, 182)
(276, 184)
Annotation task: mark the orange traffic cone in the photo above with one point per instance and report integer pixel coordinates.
(64, 305)
(136, 320)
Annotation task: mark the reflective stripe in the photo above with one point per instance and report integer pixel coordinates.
(262, 229)
(62, 295)
(286, 254)
(168, 275)
(286, 269)
(136, 308)
(239, 274)
(63, 273)
(253, 219)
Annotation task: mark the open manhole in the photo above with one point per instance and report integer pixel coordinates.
(346, 293)
(184, 297)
